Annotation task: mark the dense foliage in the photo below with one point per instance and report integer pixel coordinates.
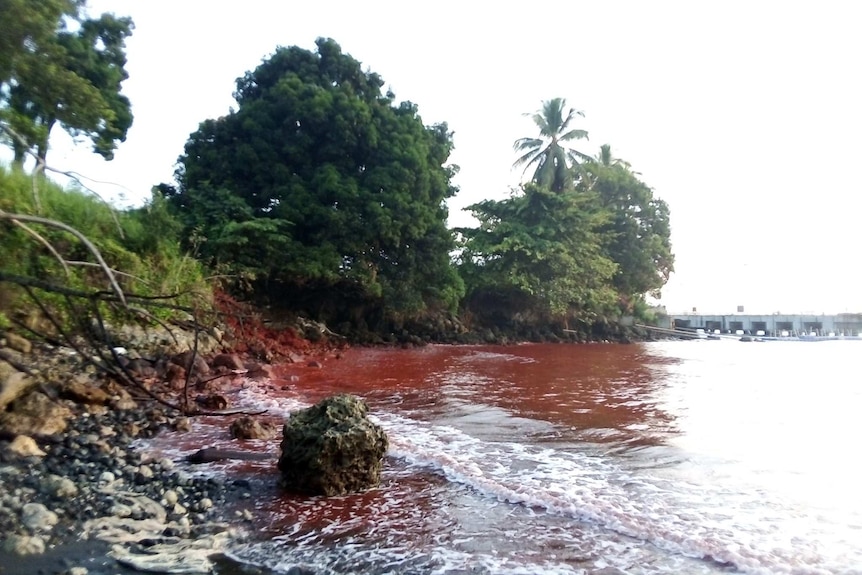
(320, 192)
(59, 67)
(318, 179)
(637, 235)
(586, 240)
(541, 249)
(142, 245)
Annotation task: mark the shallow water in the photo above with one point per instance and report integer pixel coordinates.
(672, 457)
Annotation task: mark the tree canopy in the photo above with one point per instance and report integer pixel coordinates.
(543, 246)
(57, 66)
(637, 233)
(585, 239)
(318, 178)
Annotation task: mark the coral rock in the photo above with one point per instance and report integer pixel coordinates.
(332, 448)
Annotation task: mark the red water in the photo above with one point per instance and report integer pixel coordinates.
(678, 457)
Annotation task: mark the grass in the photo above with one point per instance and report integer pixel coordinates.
(141, 245)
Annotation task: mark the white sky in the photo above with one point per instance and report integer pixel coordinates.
(745, 116)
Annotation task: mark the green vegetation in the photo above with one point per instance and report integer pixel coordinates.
(553, 160)
(637, 234)
(58, 67)
(585, 240)
(539, 255)
(319, 194)
(320, 182)
(142, 245)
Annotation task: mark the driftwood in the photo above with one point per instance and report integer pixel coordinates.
(209, 454)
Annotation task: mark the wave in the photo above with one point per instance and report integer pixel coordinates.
(510, 505)
(728, 527)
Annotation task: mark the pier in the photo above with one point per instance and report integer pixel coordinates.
(773, 325)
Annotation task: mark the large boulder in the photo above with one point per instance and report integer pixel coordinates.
(83, 390)
(332, 448)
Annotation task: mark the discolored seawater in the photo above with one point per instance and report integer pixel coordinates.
(673, 457)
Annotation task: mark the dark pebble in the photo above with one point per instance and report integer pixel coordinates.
(83, 454)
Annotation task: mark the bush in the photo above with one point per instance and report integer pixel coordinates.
(141, 245)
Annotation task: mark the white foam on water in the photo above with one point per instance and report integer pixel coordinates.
(749, 530)
(596, 511)
(361, 559)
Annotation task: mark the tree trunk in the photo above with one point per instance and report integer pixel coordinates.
(42, 144)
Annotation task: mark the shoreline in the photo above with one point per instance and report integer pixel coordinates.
(77, 496)
(85, 497)
(82, 499)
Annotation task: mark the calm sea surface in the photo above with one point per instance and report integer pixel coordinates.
(672, 457)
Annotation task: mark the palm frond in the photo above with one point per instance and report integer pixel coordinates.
(605, 154)
(577, 157)
(544, 175)
(542, 122)
(574, 134)
(551, 159)
(527, 159)
(525, 143)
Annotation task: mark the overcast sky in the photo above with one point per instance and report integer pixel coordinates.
(746, 117)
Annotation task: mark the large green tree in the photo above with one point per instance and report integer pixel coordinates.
(636, 235)
(57, 67)
(28, 25)
(318, 178)
(540, 249)
(549, 152)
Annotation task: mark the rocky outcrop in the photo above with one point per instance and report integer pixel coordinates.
(25, 447)
(332, 448)
(24, 545)
(150, 341)
(18, 343)
(82, 390)
(89, 482)
(228, 361)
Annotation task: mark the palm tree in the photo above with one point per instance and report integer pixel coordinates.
(547, 152)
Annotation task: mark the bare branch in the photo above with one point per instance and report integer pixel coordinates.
(147, 315)
(116, 272)
(7, 357)
(44, 242)
(102, 295)
(42, 166)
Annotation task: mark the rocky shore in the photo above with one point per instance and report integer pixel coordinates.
(76, 495)
(89, 483)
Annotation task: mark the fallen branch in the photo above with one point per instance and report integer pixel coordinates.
(81, 237)
(42, 166)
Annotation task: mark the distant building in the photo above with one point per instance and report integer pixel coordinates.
(775, 325)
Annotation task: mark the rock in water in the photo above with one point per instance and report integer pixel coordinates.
(247, 427)
(332, 448)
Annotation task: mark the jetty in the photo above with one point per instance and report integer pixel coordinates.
(773, 326)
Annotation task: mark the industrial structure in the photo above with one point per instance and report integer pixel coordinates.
(774, 325)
